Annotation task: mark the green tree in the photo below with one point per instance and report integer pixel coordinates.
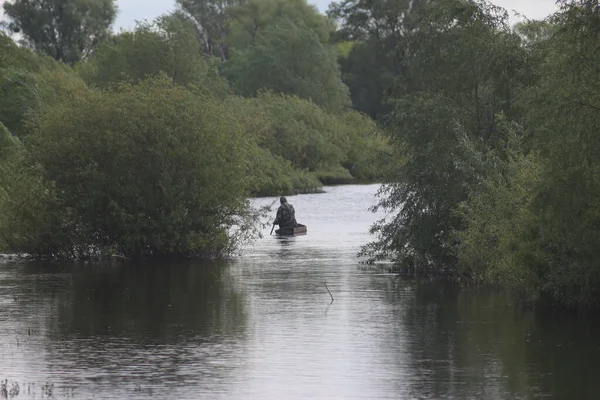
(22, 85)
(145, 170)
(18, 96)
(500, 243)
(336, 148)
(12, 56)
(65, 30)
(533, 32)
(169, 45)
(212, 19)
(290, 59)
(250, 18)
(367, 151)
(377, 30)
(303, 133)
(563, 121)
(8, 146)
(465, 68)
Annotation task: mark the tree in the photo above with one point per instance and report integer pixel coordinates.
(18, 96)
(533, 32)
(168, 45)
(65, 30)
(563, 120)
(211, 18)
(9, 144)
(303, 133)
(21, 84)
(290, 59)
(145, 170)
(464, 68)
(250, 18)
(500, 243)
(377, 30)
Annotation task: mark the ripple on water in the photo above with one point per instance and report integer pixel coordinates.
(263, 326)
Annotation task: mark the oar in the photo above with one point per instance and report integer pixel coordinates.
(273, 227)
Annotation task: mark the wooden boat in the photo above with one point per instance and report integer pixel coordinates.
(299, 229)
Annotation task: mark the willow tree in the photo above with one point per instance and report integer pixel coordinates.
(65, 30)
(250, 18)
(564, 124)
(150, 170)
(168, 45)
(274, 63)
(377, 32)
(464, 67)
(212, 19)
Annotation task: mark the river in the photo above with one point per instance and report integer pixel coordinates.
(263, 326)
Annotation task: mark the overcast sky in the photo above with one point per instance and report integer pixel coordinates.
(138, 10)
(132, 10)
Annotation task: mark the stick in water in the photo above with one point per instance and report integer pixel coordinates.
(273, 227)
(325, 283)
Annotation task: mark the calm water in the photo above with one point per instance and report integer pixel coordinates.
(263, 327)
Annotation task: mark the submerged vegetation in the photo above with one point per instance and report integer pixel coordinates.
(148, 142)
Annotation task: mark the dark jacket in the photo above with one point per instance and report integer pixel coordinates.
(286, 215)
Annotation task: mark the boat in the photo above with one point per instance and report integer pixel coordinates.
(299, 229)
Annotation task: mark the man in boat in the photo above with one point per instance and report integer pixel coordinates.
(286, 215)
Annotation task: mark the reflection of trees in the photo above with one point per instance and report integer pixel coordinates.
(476, 344)
(126, 325)
(566, 351)
(164, 302)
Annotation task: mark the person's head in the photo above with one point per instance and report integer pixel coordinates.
(282, 200)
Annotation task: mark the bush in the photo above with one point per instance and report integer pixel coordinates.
(146, 170)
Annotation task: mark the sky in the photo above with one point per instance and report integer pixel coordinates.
(139, 10)
(132, 10)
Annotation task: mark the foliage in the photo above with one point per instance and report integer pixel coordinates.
(440, 164)
(147, 170)
(274, 64)
(268, 174)
(534, 227)
(169, 45)
(367, 152)
(464, 68)
(369, 71)
(23, 200)
(12, 55)
(534, 32)
(564, 124)
(377, 30)
(302, 132)
(274, 175)
(18, 95)
(250, 18)
(212, 19)
(337, 148)
(361, 19)
(25, 81)
(500, 242)
(9, 145)
(65, 30)
(494, 135)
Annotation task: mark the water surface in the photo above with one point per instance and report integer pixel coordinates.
(263, 326)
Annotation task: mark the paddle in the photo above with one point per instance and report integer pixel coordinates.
(273, 227)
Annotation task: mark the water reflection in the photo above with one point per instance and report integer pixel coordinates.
(145, 326)
(263, 326)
